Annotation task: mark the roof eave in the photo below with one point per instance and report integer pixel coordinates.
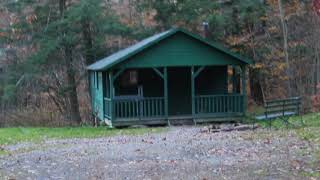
(218, 47)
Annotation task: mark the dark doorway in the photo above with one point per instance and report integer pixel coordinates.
(179, 91)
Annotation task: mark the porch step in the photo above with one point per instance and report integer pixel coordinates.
(181, 120)
(175, 120)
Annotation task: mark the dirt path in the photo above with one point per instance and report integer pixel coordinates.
(181, 153)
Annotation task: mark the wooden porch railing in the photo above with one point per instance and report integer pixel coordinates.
(219, 104)
(154, 107)
(136, 108)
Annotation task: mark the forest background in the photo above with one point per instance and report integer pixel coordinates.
(45, 46)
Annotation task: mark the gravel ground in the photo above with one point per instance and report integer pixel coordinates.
(180, 153)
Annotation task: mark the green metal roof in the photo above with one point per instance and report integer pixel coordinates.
(126, 53)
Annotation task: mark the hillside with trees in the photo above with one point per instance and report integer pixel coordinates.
(46, 45)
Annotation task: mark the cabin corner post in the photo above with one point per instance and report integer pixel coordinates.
(111, 91)
(165, 88)
(244, 88)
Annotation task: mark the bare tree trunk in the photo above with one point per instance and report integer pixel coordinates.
(72, 87)
(62, 6)
(316, 73)
(317, 54)
(88, 42)
(285, 45)
(72, 90)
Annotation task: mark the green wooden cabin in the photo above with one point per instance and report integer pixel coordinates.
(174, 75)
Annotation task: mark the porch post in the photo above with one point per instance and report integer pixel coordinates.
(244, 88)
(234, 80)
(165, 88)
(111, 80)
(193, 92)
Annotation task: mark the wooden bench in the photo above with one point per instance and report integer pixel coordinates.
(281, 109)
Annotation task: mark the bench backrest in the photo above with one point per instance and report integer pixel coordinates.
(283, 106)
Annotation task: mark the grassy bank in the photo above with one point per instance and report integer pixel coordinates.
(308, 131)
(16, 135)
(309, 120)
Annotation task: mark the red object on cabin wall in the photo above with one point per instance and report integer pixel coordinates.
(316, 6)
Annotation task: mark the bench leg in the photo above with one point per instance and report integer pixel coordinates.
(286, 121)
(270, 123)
(301, 120)
(253, 123)
(254, 120)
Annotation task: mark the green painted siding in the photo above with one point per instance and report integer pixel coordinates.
(96, 91)
(91, 89)
(179, 50)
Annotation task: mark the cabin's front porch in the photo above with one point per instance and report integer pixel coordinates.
(163, 95)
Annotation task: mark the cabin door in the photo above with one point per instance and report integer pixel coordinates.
(179, 91)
